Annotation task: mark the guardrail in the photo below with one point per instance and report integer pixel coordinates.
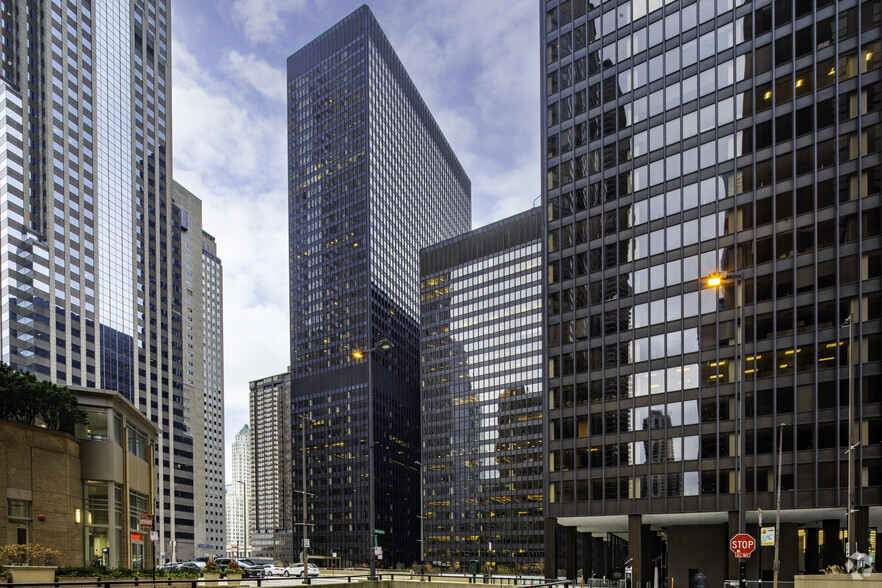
(268, 581)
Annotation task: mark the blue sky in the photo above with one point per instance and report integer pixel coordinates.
(476, 64)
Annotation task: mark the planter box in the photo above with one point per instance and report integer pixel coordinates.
(233, 579)
(835, 580)
(22, 574)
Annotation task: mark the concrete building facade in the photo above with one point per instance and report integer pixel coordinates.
(270, 405)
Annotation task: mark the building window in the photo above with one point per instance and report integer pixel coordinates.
(19, 522)
(137, 442)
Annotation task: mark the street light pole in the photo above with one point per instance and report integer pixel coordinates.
(719, 281)
(777, 565)
(303, 418)
(383, 345)
(422, 525)
(851, 545)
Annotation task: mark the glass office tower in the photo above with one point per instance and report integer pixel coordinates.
(92, 283)
(689, 138)
(481, 351)
(371, 181)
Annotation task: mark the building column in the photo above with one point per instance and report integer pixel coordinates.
(861, 526)
(832, 545)
(598, 557)
(639, 549)
(570, 553)
(550, 563)
(812, 559)
(586, 555)
(604, 571)
(733, 572)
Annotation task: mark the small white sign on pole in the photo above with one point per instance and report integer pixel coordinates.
(767, 536)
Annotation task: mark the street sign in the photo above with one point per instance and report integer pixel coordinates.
(146, 521)
(767, 536)
(306, 542)
(154, 536)
(742, 545)
(379, 531)
(378, 551)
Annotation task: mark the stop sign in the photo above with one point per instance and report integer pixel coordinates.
(742, 545)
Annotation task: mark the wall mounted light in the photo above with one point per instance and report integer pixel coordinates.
(77, 516)
(42, 517)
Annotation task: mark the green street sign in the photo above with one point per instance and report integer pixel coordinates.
(379, 531)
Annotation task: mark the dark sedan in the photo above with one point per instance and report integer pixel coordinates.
(249, 568)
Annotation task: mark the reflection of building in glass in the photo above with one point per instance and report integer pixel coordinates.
(481, 354)
(683, 139)
(372, 181)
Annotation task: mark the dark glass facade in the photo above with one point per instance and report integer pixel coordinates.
(371, 181)
(481, 349)
(683, 139)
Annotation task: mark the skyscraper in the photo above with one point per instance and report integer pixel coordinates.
(684, 139)
(270, 422)
(240, 495)
(481, 348)
(92, 282)
(371, 181)
(203, 368)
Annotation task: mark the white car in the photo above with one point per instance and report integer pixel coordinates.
(274, 569)
(297, 570)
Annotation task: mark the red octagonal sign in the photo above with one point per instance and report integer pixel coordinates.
(742, 545)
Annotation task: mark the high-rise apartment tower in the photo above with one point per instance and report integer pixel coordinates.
(372, 180)
(269, 404)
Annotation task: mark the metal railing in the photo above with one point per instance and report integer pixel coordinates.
(180, 582)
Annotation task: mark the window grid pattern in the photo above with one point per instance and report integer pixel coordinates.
(683, 139)
(481, 351)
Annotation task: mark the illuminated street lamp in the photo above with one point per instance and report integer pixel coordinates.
(384, 345)
(718, 281)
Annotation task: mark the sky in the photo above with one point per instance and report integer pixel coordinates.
(475, 63)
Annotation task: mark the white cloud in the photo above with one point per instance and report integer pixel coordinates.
(263, 20)
(261, 76)
(230, 152)
(476, 64)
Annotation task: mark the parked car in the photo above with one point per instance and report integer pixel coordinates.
(249, 568)
(197, 563)
(297, 570)
(273, 569)
(171, 565)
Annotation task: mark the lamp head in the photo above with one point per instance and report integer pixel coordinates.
(384, 344)
(358, 354)
(714, 281)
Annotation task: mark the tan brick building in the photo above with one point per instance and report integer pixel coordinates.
(82, 495)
